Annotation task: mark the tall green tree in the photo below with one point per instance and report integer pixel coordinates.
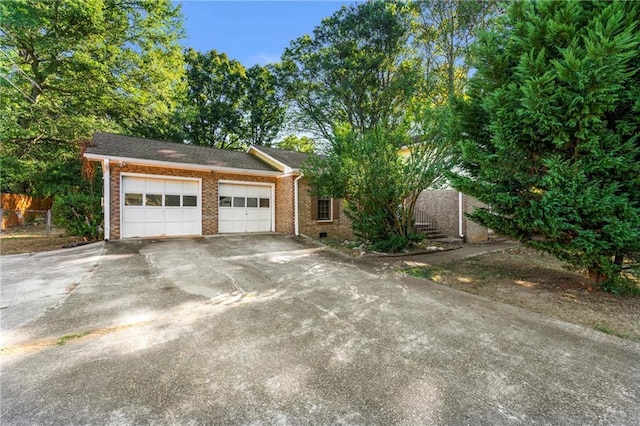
(297, 143)
(69, 68)
(263, 107)
(216, 91)
(354, 69)
(444, 31)
(552, 131)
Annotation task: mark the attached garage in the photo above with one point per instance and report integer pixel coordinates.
(160, 206)
(245, 208)
(153, 188)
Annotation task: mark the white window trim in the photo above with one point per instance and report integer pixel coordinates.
(330, 210)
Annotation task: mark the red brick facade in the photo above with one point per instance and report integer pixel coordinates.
(209, 200)
(284, 201)
(339, 228)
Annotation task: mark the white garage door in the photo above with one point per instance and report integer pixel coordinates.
(244, 208)
(154, 207)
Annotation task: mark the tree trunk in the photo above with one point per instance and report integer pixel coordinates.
(596, 275)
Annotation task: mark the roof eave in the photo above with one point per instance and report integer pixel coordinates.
(184, 166)
(271, 160)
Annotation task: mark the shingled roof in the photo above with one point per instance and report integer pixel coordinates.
(109, 145)
(292, 159)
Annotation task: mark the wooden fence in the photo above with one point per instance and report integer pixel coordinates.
(18, 209)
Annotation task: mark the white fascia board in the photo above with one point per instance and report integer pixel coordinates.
(269, 159)
(183, 166)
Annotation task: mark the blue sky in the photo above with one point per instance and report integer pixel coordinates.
(253, 32)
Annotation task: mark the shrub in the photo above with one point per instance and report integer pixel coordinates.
(80, 214)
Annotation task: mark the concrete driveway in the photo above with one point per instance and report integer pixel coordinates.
(33, 283)
(273, 330)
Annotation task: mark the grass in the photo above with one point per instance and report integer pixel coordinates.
(605, 328)
(64, 339)
(539, 283)
(426, 273)
(32, 239)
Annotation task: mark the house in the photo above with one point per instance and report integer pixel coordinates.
(154, 189)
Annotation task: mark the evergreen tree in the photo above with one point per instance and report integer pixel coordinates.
(551, 131)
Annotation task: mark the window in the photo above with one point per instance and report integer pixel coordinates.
(264, 202)
(238, 201)
(132, 199)
(153, 200)
(252, 202)
(172, 200)
(189, 201)
(224, 201)
(324, 209)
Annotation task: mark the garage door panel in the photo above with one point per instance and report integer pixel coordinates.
(244, 208)
(190, 188)
(133, 229)
(173, 187)
(154, 185)
(133, 185)
(154, 229)
(173, 215)
(171, 207)
(154, 214)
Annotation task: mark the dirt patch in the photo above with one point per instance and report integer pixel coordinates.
(539, 283)
(33, 238)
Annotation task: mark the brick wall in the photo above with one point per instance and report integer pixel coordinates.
(442, 206)
(285, 220)
(473, 232)
(339, 228)
(209, 192)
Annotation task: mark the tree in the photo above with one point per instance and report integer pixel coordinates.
(297, 143)
(380, 186)
(445, 30)
(355, 69)
(216, 90)
(552, 132)
(69, 68)
(263, 107)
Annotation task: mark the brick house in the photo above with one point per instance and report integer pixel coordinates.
(154, 188)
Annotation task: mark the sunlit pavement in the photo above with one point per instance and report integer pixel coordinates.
(267, 329)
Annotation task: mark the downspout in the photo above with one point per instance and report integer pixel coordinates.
(460, 214)
(106, 181)
(296, 223)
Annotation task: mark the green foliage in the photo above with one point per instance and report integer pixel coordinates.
(228, 106)
(443, 32)
(216, 88)
(263, 107)
(80, 214)
(69, 68)
(380, 185)
(297, 143)
(552, 131)
(355, 69)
